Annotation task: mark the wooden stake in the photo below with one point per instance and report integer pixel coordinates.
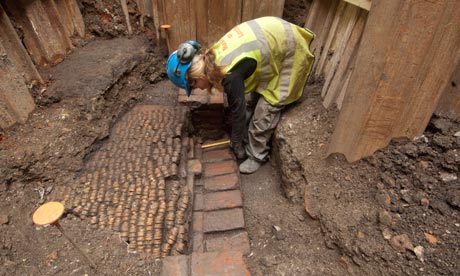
(124, 6)
(50, 213)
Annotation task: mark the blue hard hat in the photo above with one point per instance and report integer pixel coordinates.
(179, 62)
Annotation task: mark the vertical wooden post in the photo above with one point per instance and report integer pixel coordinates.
(408, 49)
(15, 100)
(16, 51)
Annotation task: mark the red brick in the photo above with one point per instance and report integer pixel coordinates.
(197, 224)
(198, 244)
(216, 98)
(175, 265)
(223, 220)
(198, 91)
(223, 200)
(216, 155)
(219, 168)
(198, 203)
(222, 182)
(227, 263)
(238, 242)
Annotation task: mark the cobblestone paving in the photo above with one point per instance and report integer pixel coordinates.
(131, 184)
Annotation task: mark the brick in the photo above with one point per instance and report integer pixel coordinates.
(238, 242)
(197, 224)
(216, 155)
(222, 182)
(219, 168)
(175, 266)
(198, 202)
(194, 167)
(198, 91)
(223, 220)
(227, 263)
(198, 242)
(218, 99)
(223, 200)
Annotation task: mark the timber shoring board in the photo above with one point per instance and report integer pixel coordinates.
(395, 86)
(255, 9)
(16, 103)
(319, 20)
(208, 20)
(332, 88)
(339, 42)
(15, 49)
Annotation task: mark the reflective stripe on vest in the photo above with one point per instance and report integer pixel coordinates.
(279, 63)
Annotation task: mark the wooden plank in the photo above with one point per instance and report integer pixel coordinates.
(202, 22)
(325, 55)
(57, 24)
(324, 11)
(77, 18)
(395, 86)
(65, 16)
(223, 16)
(142, 11)
(339, 41)
(42, 41)
(15, 49)
(332, 86)
(449, 105)
(178, 15)
(364, 4)
(254, 9)
(156, 20)
(15, 101)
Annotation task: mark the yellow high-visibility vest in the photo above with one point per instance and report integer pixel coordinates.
(282, 52)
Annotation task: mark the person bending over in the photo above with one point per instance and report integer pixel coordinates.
(261, 65)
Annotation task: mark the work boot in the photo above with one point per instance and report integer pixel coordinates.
(250, 166)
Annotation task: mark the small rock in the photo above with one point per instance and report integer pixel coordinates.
(453, 198)
(448, 177)
(386, 233)
(441, 124)
(406, 196)
(269, 261)
(423, 165)
(457, 134)
(410, 150)
(431, 238)
(4, 219)
(384, 217)
(383, 198)
(388, 180)
(299, 216)
(401, 242)
(424, 202)
(279, 233)
(420, 253)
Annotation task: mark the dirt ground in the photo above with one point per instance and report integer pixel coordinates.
(394, 213)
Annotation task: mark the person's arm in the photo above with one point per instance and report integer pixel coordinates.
(234, 88)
